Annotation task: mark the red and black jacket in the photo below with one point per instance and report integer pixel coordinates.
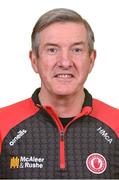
(34, 144)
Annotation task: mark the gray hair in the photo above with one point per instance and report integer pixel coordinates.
(59, 15)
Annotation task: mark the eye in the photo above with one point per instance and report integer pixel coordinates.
(52, 50)
(76, 50)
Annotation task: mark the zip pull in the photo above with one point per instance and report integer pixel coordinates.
(62, 135)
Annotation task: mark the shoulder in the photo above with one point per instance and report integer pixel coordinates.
(14, 114)
(106, 113)
(21, 108)
(103, 108)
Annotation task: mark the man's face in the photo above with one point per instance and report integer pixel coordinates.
(64, 61)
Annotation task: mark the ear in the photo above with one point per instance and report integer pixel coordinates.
(92, 60)
(34, 61)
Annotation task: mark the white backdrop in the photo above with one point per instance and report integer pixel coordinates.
(17, 18)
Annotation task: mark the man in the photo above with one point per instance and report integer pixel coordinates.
(61, 132)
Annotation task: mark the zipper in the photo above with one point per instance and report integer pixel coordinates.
(61, 136)
(62, 150)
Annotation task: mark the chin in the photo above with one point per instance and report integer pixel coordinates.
(66, 90)
(61, 92)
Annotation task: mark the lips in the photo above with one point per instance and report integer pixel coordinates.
(64, 76)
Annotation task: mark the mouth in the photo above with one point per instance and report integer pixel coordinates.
(64, 76)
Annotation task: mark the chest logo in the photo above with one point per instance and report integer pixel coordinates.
(26, 162)
(105, 135)
(96, 163)
(17, 137)
(14, 162)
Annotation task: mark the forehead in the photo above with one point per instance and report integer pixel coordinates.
(64, 32)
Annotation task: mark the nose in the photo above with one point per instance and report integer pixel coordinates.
(65, 59)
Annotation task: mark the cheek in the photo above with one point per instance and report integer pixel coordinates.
(46, 62)
(44, 70)
(83, 67)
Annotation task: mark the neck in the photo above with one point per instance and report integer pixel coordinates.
(64, 106)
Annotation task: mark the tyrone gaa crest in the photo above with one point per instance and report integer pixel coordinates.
(96, 163)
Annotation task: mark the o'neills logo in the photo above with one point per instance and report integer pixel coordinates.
(26, 162)
(96, 163)
(17, 137)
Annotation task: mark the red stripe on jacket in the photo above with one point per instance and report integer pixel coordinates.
(107, 114)
(12, 115)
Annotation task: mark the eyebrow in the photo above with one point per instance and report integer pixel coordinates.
(79, 43)
(51, 44)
